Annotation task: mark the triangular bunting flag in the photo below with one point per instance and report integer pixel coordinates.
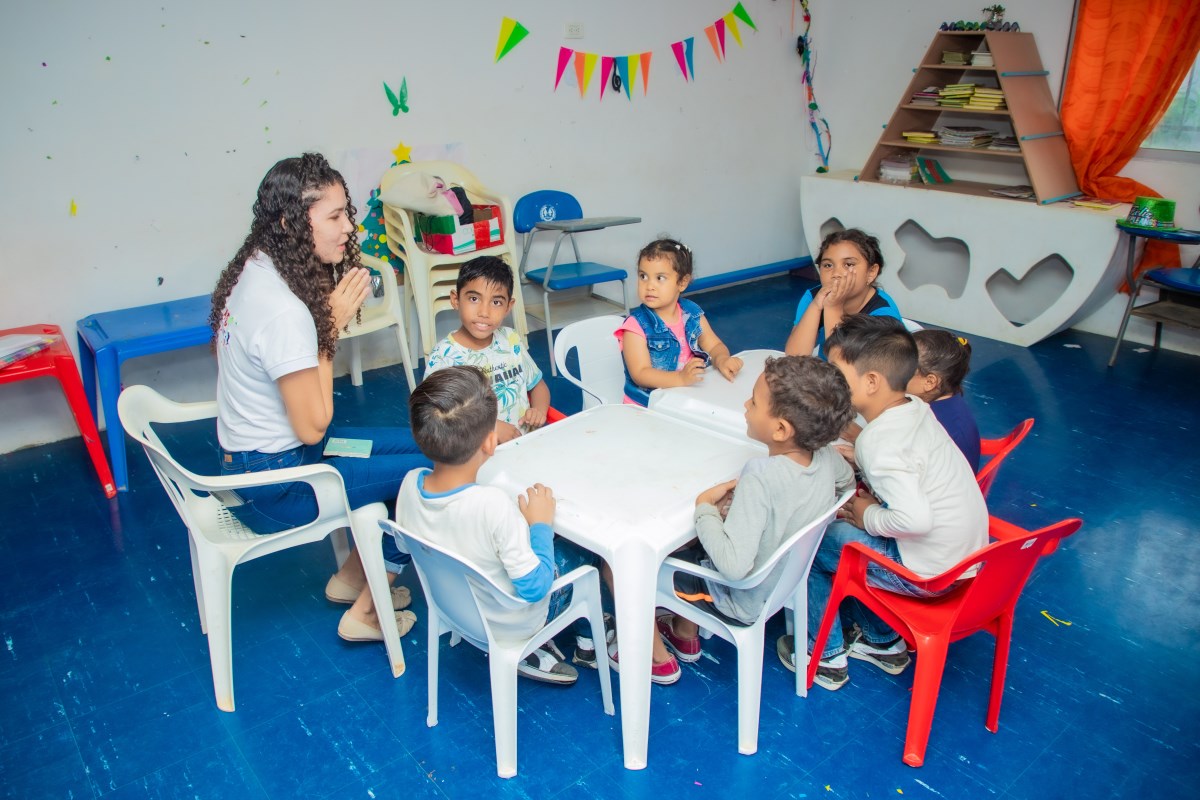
(711, 33)
(606, 65)
(677, 49)
(585, 63)
(645, 58)
(511, 34)
(564, 56)
(731, 26)
(687, 43)
(720, 26)
(741, 13)
(622, 63)
(633, 65)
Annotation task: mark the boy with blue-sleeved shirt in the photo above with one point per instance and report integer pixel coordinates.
(453, 417)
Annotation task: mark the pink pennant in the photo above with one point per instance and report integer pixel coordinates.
(711, 33)
(677, 49)
(564, 56)
(606, 65)
(720, 26)
(645, 59)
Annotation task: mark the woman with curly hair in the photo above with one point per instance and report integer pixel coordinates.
(276, 313)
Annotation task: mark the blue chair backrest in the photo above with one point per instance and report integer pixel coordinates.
(545, 205)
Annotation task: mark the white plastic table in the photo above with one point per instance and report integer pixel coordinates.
(715, 403)
(626, 481)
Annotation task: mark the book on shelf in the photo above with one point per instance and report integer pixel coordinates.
(1004, 144)
(1020, 192)
(964, 136)
(1094, 203)
(898, 168)
(16, 346)
(932, 172)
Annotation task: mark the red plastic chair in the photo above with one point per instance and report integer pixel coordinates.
(57, 362)
(998, 450)
(929, 624)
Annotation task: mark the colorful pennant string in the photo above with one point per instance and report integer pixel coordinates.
(627, 67)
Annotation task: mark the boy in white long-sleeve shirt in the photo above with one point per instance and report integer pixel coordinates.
(924, 508)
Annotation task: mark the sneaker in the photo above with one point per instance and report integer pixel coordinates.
(546, 664)
(832, 673)
(891, 657)
(664, 674)
(686, 650)
(585, 647)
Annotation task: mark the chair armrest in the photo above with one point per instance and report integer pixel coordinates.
(326, 483)
(856, 556)
(1004, 531)
(673, 565)
(575, 575)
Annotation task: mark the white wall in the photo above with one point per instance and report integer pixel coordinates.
(866, 51)
(159, 121)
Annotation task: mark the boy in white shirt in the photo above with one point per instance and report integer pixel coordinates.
(453, 417)
(924, 508)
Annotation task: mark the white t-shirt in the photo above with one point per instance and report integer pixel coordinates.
(265, 333)
(932, 505)
(483, 525)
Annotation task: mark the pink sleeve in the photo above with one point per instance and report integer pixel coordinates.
(631, 325)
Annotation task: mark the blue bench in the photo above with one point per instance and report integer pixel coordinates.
(108, 339)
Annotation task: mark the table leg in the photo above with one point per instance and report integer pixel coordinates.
(69, 381)
(87, 368)
(635, 571)
(109, 369)
(1134, 288)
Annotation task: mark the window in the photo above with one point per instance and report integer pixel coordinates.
(1179, 129)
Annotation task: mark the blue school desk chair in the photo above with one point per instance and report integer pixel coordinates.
(1178, 288)
(550, 210)
(108, 339)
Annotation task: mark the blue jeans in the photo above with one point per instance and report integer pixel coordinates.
(820, 586)
(274, 508)
(569, 556)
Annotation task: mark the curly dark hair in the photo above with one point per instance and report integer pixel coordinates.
(945, 355)
(673, 250)
(812, 395)
(451, 412)
(281, 229)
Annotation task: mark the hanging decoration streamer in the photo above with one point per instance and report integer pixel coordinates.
(628, 67)
(817, 122)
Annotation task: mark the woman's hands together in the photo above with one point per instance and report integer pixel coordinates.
(348, 296)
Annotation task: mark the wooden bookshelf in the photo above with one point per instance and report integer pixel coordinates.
(1030, 115)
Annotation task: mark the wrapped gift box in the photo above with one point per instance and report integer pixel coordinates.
(445, 234)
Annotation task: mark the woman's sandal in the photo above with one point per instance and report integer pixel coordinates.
(353, 630)
(338, 591)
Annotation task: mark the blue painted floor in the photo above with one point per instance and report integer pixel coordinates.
(106, 686)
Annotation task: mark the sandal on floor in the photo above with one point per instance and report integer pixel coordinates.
(338, 591)
(352, 630)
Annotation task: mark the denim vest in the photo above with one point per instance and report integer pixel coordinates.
(662, 344)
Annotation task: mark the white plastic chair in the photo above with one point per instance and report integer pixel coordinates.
(387, 313)
(218, 542)
(796, 556)
(601, 368)
(453, 588)
(430, 276)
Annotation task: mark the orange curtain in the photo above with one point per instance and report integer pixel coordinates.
(1127, 62)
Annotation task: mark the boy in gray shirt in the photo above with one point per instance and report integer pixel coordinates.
(799, 406)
